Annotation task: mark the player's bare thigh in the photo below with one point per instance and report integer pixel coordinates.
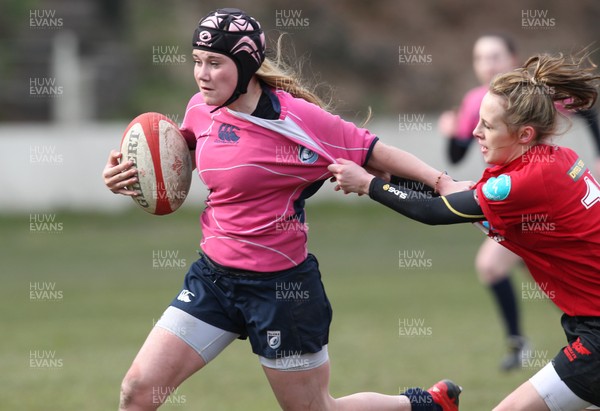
(301, 390)
(163, 362)
(524, 398)
(308, 389)
(177, 347)
(544, 391)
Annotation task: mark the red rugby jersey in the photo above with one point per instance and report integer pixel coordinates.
(545, 207)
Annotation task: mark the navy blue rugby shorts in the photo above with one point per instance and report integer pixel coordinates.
(578, 364)
(282, 313)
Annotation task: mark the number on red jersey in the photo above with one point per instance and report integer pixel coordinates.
(592, 196)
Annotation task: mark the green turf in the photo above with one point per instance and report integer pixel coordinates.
(102, 266)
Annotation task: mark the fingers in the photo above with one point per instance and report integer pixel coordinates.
(113, 167)
(113, 157)
(126, 192)
(337, 168)
(339, 188)
(334, 168)
(348, 175)
(119, 184)
(117, 177)
(339, 165)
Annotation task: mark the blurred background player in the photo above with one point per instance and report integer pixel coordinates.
(496, 53)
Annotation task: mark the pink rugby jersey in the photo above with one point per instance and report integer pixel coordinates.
(468, 114)
(259, 172)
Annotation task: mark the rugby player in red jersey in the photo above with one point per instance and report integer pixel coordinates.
(496, 53)
(541, 202)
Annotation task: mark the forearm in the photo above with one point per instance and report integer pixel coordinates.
(406, 183)
(401, 163)
(453, 209)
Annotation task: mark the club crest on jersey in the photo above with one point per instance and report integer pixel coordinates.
(227, 134)
(497, 188)
(274, 339)
(307, 156)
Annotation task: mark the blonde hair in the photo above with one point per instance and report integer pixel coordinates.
(531, 90)
(276, 73)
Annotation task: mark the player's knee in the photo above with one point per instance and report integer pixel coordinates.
(487, 272)
(128, 392)
(136, 394)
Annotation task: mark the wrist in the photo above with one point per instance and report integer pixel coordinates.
(375, 183)
(366, 184)
(442, 182)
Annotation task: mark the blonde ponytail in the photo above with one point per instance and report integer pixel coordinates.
(278, 74)
(530, 91)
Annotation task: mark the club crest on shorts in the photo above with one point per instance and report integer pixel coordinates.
(307, 156)
(184, 296)
(274, 339)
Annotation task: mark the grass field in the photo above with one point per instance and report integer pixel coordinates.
(79, 295)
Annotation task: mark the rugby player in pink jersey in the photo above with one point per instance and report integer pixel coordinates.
(541, 202)
(262, 147)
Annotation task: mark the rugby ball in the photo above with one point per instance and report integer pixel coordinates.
(162, 157)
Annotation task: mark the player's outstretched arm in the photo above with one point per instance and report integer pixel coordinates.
(117, 177)
(401, 163)
(460, 207)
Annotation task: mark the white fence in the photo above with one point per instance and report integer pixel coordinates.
(48, 167)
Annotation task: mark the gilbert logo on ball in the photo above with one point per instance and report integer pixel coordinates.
(162, 157)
